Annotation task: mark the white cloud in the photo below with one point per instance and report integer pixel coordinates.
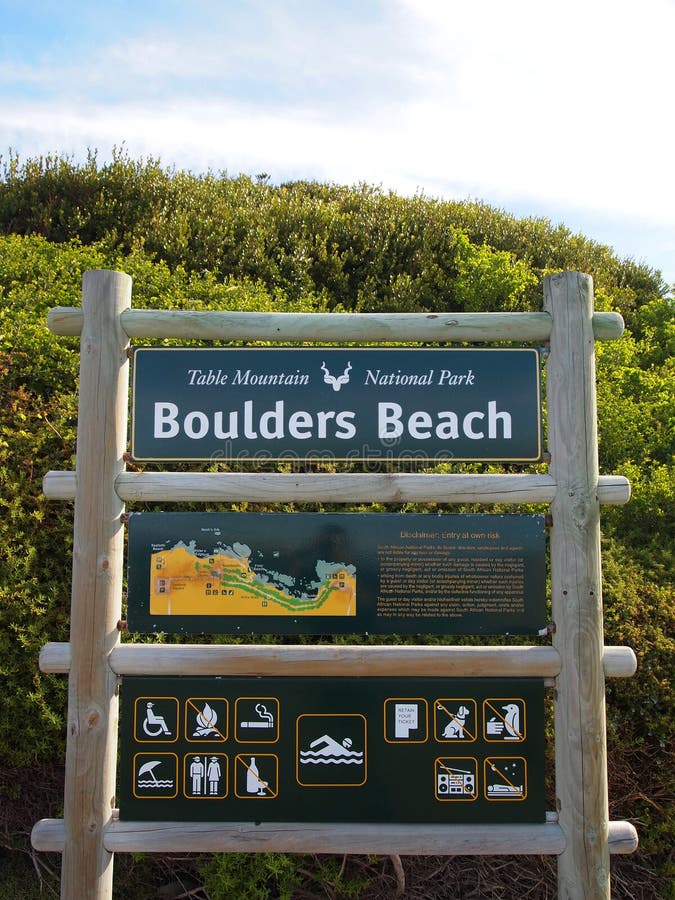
(560, 106)
(558, 102)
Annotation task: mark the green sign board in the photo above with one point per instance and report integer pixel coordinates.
(256, 404)
(332, 750)
(336, 573)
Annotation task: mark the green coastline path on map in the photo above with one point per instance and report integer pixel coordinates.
(226, 581)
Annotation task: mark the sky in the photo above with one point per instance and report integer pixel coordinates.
(561, 109)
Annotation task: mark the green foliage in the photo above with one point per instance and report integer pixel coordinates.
(38, 418)
(329, 871)
(358, 247)
(256, 876)
(213, 242)
(261, 876)
(492, 279)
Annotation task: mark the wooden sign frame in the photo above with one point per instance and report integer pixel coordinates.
(578, 831)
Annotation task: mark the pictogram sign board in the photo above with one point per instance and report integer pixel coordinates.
(332, 749)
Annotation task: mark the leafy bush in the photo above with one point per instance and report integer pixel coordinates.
(258, 876)
(211, 242)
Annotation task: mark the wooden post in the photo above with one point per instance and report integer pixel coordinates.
(88, 834)
(580, 742)
(97, 588)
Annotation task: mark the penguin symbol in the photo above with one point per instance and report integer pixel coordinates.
(512, 722)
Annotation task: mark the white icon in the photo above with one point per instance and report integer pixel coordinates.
(505, 789)
(148, 768)
(336, 381)
(254, 783)
(197, 774)
(453, 782)
(326, 751)
(510, 772)
(206, 719)
(205, 774)
(266, 719)
(405, 719)
(508, 725)
(213, 773)
(154, 725)
(455, 727)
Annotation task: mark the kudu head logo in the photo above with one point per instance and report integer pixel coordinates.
(336, 381)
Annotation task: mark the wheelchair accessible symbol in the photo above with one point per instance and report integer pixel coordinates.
(156, 719)
(153, 724)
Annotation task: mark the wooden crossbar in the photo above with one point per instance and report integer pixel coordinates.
(340, 327)
(334, 488)
(292, 837)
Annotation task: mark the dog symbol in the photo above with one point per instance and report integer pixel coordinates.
(455, 727)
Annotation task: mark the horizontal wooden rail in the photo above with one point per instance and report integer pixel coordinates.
(290, 837)
(335, 660)
(339, 327)
(619, 662)
(333, 488)
(318, 660)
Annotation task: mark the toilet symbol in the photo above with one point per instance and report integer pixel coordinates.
(213, 773)
(197, 774)
(205, 775)
(153, 724)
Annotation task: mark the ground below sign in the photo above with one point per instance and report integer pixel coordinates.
(321, 573)
(332, 750)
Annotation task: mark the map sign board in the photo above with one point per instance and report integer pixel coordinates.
(336, 573)
(297, 404)
(332, 749)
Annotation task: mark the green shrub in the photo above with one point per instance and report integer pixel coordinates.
(211, 242)
(255, 876)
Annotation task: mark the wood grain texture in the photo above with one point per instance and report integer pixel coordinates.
(223, 659)
(335, 660)
(580, 742)
(89, 833)
(290, 837)
(338, 327)
(98, 546)
(334, 488)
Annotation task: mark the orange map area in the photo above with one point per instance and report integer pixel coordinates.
(184, 583)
